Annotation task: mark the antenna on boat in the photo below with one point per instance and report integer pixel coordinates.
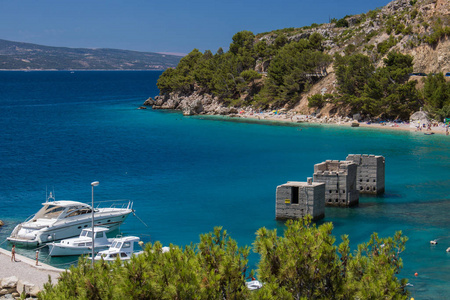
(50, 195)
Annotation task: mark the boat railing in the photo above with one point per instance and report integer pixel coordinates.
(29, 218)
(16, 231)
(119, 203)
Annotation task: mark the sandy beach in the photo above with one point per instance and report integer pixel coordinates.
(25, 269)
(438, 128)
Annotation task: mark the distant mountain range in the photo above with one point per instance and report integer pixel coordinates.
(26, 56)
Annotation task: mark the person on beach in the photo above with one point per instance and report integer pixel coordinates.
(13, 253)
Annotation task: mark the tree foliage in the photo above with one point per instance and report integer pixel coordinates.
(228, 75)
(436, 92)
(385, 92)
(305, 263)
(292, 70)
(287, 69)
(213, 269)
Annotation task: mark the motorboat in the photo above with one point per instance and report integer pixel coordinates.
(82, 244)
(58, 220)
(122, 247)
(253, 285)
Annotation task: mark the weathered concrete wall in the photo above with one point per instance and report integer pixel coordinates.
(309, 200)
(340, 182)
(370, 176)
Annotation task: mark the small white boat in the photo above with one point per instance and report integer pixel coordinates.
(253, 285)
(58, 220)
(121, 247)
(82, 244)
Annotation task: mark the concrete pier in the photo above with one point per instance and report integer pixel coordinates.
(340, 182)
(25, 269)
(295, 200)
(370, 174)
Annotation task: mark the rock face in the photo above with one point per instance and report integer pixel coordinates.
(415, 21)
(12, 287)
(193, 104)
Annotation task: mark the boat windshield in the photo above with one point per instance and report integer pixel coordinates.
(49, 211)
(77, 210)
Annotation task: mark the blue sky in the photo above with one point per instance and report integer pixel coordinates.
(175, 26)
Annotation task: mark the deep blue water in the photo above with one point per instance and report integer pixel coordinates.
(62, 130)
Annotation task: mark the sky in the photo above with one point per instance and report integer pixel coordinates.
(168, 26)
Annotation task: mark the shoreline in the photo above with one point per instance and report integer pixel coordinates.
(289, 118)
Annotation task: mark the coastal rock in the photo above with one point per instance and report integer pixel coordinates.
(27, 288)
(9, 282)
(7, 291)
(193, 104)
(1, 223)
(192, 108)
(149, 102)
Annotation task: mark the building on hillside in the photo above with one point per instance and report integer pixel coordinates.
(340, 182)
(295, 200)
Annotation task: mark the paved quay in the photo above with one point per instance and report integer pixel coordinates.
(25, 269)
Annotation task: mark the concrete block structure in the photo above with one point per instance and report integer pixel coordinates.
(295, 200)
(340, 182)
(370, 173)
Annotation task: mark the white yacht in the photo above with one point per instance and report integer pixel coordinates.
(82, 244)
(58, 220)
(121, 247)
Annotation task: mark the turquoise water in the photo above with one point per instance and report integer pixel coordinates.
(62, 130)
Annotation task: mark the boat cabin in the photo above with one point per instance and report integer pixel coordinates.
(62, 209)
(120, 247)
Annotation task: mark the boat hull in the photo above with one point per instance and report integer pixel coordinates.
(55, 249)
(27, 236)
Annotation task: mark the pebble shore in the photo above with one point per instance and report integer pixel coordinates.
(289, 117)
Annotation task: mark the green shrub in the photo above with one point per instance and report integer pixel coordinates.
(399, 28)
(342, 23)
(384, 46)
(316, 100)
(250, 75)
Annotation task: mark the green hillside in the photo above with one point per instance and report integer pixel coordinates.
(363, 64)
(23, 56)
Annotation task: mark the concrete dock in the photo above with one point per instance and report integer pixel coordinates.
(25, 269)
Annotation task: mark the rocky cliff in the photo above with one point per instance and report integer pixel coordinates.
(409, 27)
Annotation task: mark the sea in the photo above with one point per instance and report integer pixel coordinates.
(62, 130)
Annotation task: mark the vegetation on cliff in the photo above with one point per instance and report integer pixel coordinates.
(305, 263)
(369, 54)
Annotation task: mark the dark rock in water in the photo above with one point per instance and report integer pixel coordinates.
(142, 107)
(1, 223)
(149, 102)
